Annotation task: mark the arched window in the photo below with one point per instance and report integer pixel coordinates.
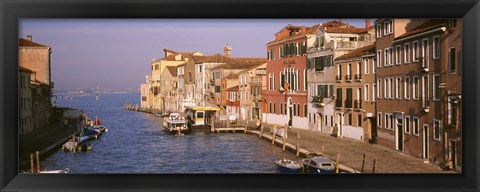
(190, 76)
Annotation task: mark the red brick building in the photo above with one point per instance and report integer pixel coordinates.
(286, 63)
(412, 75)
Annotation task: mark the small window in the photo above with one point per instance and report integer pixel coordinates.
(379, 119)
(436, 47)
(397, 55)
(452, 62)
(406, 53)
(415, 51)
(436, 87)
(415, 126)
(379, 31)
(407, 124)
(359, 120)
(436, 129)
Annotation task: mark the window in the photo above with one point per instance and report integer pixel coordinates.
(387, 27)
(406, 87)
(436, 87)
(452, 62)
(391, 121)
(452, 111)
(415, 126)
(406, 53)
(379, 62)
(388, 57)
(274, 108)
(415, 51)
(379, 85)
(452, 23)
(359, 120)
(425, 88)
(424, 60)
(379, 31)
(397, 55)
(379, 119)
(281, 108)
(365, 63)
(298, 109)
(294, 110)
(305, 110)
(415, 87)
(366, 92)
(331, 121)
(305, 80)
(387, 121)
(407, 124)
(398, 87)
(374, 88)
(349, 119)
(270, 107)
(436, 129)
(436, 47)
(373, 65)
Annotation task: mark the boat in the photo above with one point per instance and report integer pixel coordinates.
(176, 124)
(101, 128)
(288, 166)
(318, 164)
(68, 146)
(66, 170)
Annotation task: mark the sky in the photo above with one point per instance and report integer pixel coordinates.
(116, 54)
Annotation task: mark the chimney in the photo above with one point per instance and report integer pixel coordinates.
(367, 23)
(29, 37)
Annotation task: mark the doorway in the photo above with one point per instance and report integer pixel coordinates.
(399, 134)
(425, 141)
(452, 153)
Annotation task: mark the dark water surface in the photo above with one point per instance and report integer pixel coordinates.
(136, 143)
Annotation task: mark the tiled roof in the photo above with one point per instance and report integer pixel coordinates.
(241, 63)
(309, 30)
(234, 88)
(432, 24)
(25, 69)
(366, 50)
(39, 82)
(172, 70)
(232, 76)
(27, 43)
(347, 30)
(333, 23)
(172, 57)
(215, 58)
(252, 67)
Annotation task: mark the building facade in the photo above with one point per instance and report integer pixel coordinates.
(169, 89)
(250, 88)
(25, 101)
(354, 98)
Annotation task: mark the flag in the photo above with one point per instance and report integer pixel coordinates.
(286, 86)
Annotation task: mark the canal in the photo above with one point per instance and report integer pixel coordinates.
(136, 143)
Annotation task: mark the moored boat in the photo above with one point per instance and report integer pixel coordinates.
(68, 146)
(318, 164)
(66, 170)
(288, 166)
(176, 124)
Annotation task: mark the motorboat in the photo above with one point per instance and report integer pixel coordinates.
(318, 164)
(288, 166)
(176, 124)
(68, 146)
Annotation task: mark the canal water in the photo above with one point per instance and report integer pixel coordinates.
(136, 143)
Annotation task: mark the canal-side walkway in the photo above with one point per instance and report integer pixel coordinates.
(351, 152)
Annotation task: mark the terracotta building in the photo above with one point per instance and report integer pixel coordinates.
(251, 82)
(287, 59)
(36, 57)
(354, 97)
(332, 39)
(232, 102)
(412, 74)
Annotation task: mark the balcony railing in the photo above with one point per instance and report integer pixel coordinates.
(348, 104)
(338, 78)
(358, 77)
(425, 104)
(357, 104)
(317, 101)
(423, 64)
(348, 78)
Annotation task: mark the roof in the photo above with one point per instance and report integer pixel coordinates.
(334, 23)
(172, 57)
(347, 30)
(253, 67)
(241, 63)
(234, 88)
(231, 76)
(429, 25)
(24, 69)
(39, 82)
(309, 30)
(26, 43)
(215, 58)
(366, 50)
(172, 70)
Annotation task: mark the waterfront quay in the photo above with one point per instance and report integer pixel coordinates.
(351, 152)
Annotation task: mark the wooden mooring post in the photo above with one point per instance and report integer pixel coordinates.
(337, 163)
(284, 140)
(274, 134)
(374, 161)
(38, 161)
(298, 144)
(261, 132)
(32, 166)
(74, 144)
(212, 126)
(363, 162)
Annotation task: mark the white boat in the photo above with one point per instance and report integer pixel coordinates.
(66, 170)
(68, 146)
(176, 124)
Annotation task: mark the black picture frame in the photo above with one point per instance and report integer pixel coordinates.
(11, 11)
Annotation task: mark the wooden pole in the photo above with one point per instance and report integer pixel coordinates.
(212, 126)
(38, 161)
(261, 132)
(274, 134)
(337, 163)
(284, 140)
(363, 162)
(32, 166)
(74, 144)
(246, 122)
(374, 161)
(298, 144)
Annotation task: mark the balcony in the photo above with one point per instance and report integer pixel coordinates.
(423, 64)
(348, 104)
(317, 101)
(425, 104)
(338, 104)
(348, 78)
(319, 69)
(338, 78)
(358, 77)
(357, 104)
